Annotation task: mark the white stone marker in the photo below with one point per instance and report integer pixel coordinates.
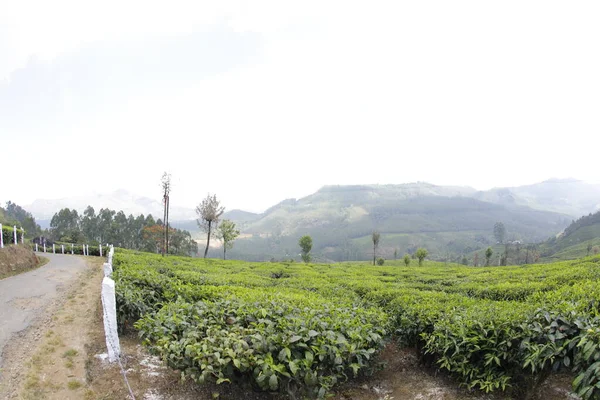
(107, 269)
(110, 319)
(15, 231)
(44, 247)
(53, 249)
(62, 246)
(23, 236)
(1, 238)
(36, 247)
(100, 249)
(72, 252)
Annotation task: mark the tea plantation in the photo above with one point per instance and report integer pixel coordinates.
(301, 329)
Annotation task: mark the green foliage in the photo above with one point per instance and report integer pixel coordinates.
(227, 233)
(228, 321)
(8, 234)
(406, 260)
(380, 261)
(421, 254)
(488, 254)
(303, 328)
(305, 243)
(499, 232)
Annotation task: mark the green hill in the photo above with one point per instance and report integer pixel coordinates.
(579, 239)
(340, 219)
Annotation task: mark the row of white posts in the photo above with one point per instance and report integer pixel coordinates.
(15, 236)
(109, 306)
(85, 249)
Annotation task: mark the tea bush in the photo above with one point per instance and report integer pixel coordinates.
(301, 328)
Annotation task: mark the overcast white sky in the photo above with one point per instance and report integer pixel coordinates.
(258, 101)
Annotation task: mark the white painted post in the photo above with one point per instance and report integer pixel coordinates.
(15, 234)
(62, 246)
(22, 235)
(107, 269)
(100, 247)
(44, 247)
(72, 252)
(87, 249)
(110, 319)
(1, 238)
(36, 247)
(53, 249)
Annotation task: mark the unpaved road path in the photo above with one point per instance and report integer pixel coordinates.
(24, 297)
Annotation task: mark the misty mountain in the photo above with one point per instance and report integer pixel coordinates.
(567, 196)
(446, 220)
(121, 199)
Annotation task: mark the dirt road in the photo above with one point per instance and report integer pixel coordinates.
(24, 297)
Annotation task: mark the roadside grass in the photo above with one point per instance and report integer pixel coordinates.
(41, 262)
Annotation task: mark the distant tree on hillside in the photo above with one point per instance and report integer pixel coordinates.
(476, 260)
(166, 189)
(18, 216)
(407, 260)
(227, 233)
(488, 255)
(375, 238)
(465, 260)
(421, 254)
(305, 243)
(209, 212)
(395, 254)
(499, 232)
(589, 248)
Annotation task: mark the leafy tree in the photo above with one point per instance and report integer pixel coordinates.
(209, 212)
(421, 254)
(465, 260)
(89, 224)
(18, 216)
(407, 260)
(305, 243)
(64, 226)
(166, 188)
(499, 232)
(476, 260)
(375, 238)
(488, 255)
(589, 248)
(380, 261)
(227, 233)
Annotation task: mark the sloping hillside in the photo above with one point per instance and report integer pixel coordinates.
(567, 196)
(579, 239)
(341, 218)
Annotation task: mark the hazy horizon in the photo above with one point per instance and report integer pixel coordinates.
(266, 100)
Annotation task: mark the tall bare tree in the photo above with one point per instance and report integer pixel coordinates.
(166, 187)
(209, 212)
(375, 237)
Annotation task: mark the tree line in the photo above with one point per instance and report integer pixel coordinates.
(109, 226)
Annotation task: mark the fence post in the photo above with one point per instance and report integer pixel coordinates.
(62, 246)
(1, 238)
(53, 249)
(15, 234)
(72, 252)
(100, 247)
(22, 235)
(44, 246)
(110, 319)
(36, 247)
